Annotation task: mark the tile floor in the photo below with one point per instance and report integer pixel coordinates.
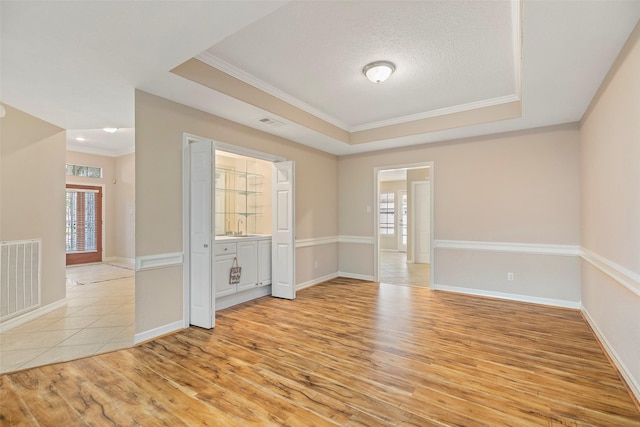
(99, 317)
(395, 270)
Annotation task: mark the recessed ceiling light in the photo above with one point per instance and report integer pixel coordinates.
(110, 130)
(81, 139)
(379, 71)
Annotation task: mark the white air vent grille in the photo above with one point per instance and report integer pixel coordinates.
(272, 122)
(19, 277)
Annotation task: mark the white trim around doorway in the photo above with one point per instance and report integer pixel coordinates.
(376, 199)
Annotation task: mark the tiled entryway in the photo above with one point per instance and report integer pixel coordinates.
(395, 270)
(99, 317)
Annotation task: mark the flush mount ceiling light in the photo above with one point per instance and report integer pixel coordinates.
(379, 71)
(110, 130)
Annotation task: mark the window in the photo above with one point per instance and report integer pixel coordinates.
(387, 213)
(89, 171)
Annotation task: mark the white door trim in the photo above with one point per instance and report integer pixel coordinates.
(186, 179)
(402, 247)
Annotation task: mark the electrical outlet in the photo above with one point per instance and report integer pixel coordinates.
(510, 277)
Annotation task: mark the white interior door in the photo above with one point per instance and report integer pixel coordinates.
(422, 221)
(201, 269)
(283, 231)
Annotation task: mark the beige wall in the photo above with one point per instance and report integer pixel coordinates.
(125, 206)
(160, 125)
(520, 187)
(32, 192)
(610, 207)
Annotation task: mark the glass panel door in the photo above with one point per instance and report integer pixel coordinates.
(83, 224)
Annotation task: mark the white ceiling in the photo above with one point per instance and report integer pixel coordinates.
(76, 64)
(446, 54)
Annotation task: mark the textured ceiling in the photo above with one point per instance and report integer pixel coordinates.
(446, 54)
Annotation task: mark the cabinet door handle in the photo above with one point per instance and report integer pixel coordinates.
(206, 246)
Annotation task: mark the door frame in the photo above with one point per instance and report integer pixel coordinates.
(186, 205)
(376, 219)
(102, 234)
(402, 247)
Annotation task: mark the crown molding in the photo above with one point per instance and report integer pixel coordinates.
(245, 77)
(241, 75)
(439, 112)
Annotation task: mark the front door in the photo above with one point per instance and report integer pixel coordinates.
(83, 224)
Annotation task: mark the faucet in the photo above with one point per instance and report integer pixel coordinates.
(239, 222)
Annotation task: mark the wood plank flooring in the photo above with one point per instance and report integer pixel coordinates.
(346, 353)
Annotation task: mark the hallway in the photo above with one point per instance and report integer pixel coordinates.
(99, 317)
(395, 270)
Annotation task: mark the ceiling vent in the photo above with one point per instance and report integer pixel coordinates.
(272, 122)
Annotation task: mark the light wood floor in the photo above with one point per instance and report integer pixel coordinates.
(343, 353)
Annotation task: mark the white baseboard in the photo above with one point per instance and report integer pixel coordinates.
(316, 281)
(355, 276)
(120, 259)
(157, 332)
(512, 297)
(235, 299)
(32, 315)
(631, 382)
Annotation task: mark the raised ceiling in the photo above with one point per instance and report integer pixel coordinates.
(463, 68)
(446, 54)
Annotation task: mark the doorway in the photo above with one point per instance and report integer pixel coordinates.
(403, 253)
(207, 230)
(83, 224)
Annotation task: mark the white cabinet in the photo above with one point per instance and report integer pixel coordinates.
(254, 257)
(248, 260)
(223, 268)
(264, 262)
(225, 253)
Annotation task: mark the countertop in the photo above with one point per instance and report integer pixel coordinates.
(228, 239)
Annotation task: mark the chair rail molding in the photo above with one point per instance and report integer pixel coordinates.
(620, 274)
(315, 241)
(511, 247)
(364, 240)
(147, 262)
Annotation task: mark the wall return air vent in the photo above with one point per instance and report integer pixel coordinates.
(272, 122)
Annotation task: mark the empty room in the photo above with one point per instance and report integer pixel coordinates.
(320, 213)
